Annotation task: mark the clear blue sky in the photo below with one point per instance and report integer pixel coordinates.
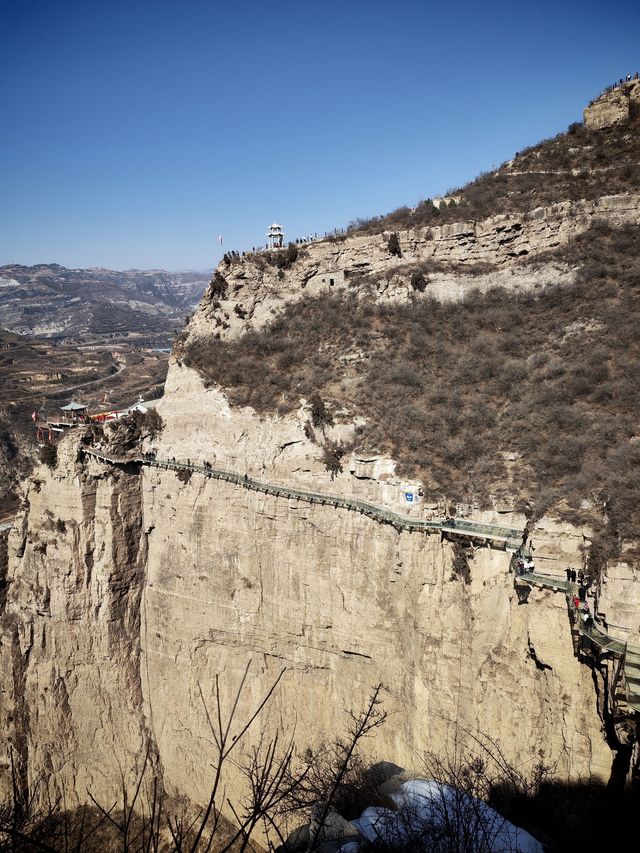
(133, 133)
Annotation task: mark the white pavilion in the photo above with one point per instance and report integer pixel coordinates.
(275, 236)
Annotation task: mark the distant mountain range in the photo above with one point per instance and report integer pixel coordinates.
(48, 300)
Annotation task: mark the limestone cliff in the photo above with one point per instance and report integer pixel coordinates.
(615, 106)
(129, 590)
(511, 252)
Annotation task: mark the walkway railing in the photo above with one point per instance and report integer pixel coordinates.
(506, 537)
(630, 654)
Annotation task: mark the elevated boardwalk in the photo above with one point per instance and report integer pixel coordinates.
(505, 538)
(627, 654)
(625, 686)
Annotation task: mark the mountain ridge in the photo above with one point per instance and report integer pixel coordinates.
(44, 300)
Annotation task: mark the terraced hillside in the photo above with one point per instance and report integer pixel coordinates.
(41, 375)
(54, 302)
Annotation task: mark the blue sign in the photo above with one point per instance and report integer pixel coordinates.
(409, 497)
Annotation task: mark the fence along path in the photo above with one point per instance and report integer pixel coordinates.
(508, 538)
(628, 654)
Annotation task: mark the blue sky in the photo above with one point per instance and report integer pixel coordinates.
(134, 133)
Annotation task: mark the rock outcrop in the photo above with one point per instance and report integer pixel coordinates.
(504, 251)
(70, 632)
(616, 106)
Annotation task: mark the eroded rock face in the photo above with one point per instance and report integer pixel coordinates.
(614, 107)
(70, 694)
(113, 636)
(129, 592)
(255, 291)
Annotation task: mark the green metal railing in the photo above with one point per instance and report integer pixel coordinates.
(508, 537)
(629, 654)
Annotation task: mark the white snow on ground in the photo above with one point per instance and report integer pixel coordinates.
(423, 805)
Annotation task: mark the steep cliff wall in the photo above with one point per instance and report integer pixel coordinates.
(70, 694)
(128, 592)
(109, 648)
(344, 603)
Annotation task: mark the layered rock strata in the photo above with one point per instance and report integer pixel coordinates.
(509, 250)
(616, 106)
(129, 591)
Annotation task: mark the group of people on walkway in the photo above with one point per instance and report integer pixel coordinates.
(622, 81)
(582, 606)
(579, 598)
(584, 582)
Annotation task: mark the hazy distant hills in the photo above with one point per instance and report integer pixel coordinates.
(51, 301)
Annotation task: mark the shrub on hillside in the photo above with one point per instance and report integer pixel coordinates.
(332, 454)
(418, 281)
(320, 417)
(219, 286)
(49, 455)
(578, 164)
(460, 567)
(184, 474)
(393, 245)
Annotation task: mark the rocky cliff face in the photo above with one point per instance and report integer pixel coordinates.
(616, 106)
(70, 633)
(506, 251)
(128, 592)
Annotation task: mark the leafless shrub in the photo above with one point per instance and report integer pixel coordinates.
(49, 455)
(540, 175)
(184, 474)
(320, 417)
(460, 566)
(332, 453)
(393, 246)
(218, 287)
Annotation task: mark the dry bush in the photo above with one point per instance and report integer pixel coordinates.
(332, 453)
(49, 455)
(184, 474)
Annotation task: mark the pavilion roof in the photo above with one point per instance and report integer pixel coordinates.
(72, 407)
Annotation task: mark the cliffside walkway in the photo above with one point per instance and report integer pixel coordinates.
(628, 672)
(507, 538)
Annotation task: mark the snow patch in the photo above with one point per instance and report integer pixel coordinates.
(427, 808)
